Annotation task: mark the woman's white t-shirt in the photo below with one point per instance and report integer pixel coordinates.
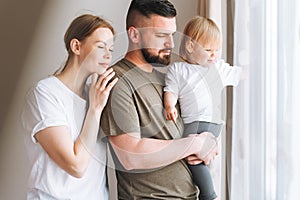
(49, 104)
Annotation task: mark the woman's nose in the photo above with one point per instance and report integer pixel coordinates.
(107, 54)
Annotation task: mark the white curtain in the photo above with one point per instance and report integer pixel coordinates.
(265, 164)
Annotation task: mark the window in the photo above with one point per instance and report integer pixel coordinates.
(267, 102)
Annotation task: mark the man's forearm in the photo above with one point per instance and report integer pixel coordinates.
(147, 153)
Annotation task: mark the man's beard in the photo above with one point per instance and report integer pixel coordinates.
(155, 59)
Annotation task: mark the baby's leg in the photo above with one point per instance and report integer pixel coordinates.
(203, 180)
(199, 127)
(201, 173)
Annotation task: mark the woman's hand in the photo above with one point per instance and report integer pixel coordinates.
(100, 89)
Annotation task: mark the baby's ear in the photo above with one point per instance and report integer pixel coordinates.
(189, 46)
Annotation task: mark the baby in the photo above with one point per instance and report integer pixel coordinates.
(197, 83)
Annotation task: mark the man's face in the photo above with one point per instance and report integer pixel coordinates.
(157, 39)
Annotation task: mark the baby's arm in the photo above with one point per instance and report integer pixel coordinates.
(170, 100)
(171, 91)
(230, 75)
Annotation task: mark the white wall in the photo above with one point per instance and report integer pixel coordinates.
(32, 44)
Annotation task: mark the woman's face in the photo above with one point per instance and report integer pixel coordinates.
(95, 51)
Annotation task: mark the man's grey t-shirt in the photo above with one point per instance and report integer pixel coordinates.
(136, 106)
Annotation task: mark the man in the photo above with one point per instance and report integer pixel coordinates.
(148, 149)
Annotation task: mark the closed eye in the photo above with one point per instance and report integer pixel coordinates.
(161, 35)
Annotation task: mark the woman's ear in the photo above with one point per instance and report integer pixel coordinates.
(189, 46)
(75, 46)
(134, 34)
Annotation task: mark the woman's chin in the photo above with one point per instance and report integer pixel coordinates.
(102, 70)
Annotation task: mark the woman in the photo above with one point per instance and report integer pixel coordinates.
(67, 160)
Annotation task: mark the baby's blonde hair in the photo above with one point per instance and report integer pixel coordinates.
(201, 30)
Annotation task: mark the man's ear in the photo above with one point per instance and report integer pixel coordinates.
(75, 46)
(189, 46)
(134, 34)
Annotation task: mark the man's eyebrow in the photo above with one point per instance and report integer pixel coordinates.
(164, 32)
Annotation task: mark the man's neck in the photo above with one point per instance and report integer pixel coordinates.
(137, 58)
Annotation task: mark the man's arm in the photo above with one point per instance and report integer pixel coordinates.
(147, 153)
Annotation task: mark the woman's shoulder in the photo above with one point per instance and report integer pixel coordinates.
(45, 81)
(49, 85)
(41, 91)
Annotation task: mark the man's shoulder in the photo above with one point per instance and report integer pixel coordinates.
(122, 67)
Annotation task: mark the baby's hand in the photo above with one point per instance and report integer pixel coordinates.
(171, 113)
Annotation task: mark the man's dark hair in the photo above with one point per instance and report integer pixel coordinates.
(146, 8)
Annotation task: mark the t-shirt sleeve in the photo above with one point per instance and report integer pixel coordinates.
(230, 75)
(41, 110)
(171, 80)
(120, 115)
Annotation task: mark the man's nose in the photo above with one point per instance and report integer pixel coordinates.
(170, 42)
